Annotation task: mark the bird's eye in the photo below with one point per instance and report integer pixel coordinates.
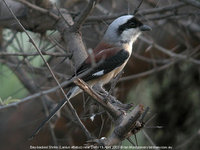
(132, 24)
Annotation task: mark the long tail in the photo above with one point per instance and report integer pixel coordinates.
(72, 92)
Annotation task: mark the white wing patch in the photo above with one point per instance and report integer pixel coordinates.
(92, 117)
(98, 73)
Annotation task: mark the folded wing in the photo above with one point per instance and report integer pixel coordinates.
(105, 61)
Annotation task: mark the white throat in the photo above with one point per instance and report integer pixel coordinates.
(128, 37)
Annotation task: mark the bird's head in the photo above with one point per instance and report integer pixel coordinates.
(124, 29)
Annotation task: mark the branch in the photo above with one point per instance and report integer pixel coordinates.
(125, 124)
(34, 54)
(194, 3)
(82, 17)
(141, 12)
(172, 15)
(137, 8)
(72, 39)
(123, 130)
(35, 24)
(73, 111)
(142, 74)
(18, 9)
(161, 9)
(63, 84)
(40, 9)
(105, 104)
(168, 52)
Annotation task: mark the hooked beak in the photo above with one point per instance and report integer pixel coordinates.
(145, 28)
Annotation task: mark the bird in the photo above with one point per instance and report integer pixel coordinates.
(110, 56)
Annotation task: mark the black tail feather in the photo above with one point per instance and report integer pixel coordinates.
(58, 107)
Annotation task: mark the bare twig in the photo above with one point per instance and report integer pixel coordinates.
(63, 84)
(149, 138)
(114, 83)
(141, 12)
(137, 8)
(49, 68)
(9, 41)
(152, 60)
(34, 54)
(40, 9)
(50, 125)
(188, 140)
(144, 114)
(194, 3)
(142, 74)
(129, 139)
(123, 129)
(102, 125)
(172, 15)
(45, 92)
(66, 83)
(159, 17)
(168, 52)
(106, 105)
(104, 17)
(81, 19)
(161, 9)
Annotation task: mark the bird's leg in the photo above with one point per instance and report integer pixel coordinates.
(100, 90)
(108, 97)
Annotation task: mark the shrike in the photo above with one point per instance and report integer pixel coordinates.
(112, 52)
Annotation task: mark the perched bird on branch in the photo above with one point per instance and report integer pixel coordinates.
(108, 58)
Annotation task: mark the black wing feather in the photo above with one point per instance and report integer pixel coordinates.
(106, 65)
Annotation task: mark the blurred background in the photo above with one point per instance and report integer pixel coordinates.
(163, 74)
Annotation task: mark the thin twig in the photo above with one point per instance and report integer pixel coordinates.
(144, 114)
(40, 9)
(150, 119)
(66, 83)
(141, 12)
(194, 3)
(50, 125)
(142, 74)
(149, 139)
(82, 17)
(9, 41)
(49, 68)
(63, 84)
(122, 130)
(161, 9)
(106, 105)
(172, 15)
(34, 54)
(160, 61)
(102, 125)
(62, 16)
(136, 141)
(114, 83)
(168, 52)
(188, 140)
(129, 139)
(137, 8)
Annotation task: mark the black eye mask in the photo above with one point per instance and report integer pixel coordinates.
(131, 23)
